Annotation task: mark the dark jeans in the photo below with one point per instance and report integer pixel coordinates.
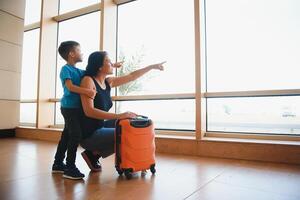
(102, 140)
(70, 137)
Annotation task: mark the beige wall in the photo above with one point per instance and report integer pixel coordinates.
(11, 38)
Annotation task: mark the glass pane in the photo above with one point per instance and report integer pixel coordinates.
(30, 64)
(58, 116)
(252, 45)
(32, 11)
(88, 38)
(28, 113)
(276, 115)
(166, 114)
(69, 5)
(155, 31)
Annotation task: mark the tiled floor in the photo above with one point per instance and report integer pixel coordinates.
(25, 174)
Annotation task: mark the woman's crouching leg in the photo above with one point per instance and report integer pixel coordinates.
(101, 141)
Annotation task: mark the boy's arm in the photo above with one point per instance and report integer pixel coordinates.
(88, 104)
(80, 90)
(65, 76)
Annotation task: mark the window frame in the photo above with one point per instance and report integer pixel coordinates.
(246, 93)
(143, 97)
(27, 28)
(200, 95)
(61, 18)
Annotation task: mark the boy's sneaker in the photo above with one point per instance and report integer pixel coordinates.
(73, 173)
(58, 168)
(91, 160)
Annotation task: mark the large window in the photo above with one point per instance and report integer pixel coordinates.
(151, 32)
(248, 54)
(85, 30)
(30, 64)
(28, 114)
(280, 115)
(32, 11)
(29, 76)
(167, 114)
(253, 45)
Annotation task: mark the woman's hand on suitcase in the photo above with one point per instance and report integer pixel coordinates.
(127, 115)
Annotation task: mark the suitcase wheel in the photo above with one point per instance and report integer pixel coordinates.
(128, 173)
(120, 171)
(152, 169)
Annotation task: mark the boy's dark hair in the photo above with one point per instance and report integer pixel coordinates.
(95, 62)
(65, 48)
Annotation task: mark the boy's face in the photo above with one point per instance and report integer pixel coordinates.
(76, 54)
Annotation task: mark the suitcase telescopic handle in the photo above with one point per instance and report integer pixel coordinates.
(140, 118)
(140, 121)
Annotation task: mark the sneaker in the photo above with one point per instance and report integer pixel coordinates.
(92, 161)
(58, 167)
(73, 173)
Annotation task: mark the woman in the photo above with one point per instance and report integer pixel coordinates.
(98, 124)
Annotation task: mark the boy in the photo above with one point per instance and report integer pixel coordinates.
(70, 108)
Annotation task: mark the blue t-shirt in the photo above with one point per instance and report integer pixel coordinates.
(70, 99)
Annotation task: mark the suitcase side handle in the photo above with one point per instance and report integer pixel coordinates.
(117, 143)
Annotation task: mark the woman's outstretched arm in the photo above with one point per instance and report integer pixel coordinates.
(91, 111)
(117, 81)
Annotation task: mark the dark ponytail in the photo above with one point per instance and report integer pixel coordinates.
(95, 62)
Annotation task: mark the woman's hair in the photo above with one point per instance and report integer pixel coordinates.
(95, 62)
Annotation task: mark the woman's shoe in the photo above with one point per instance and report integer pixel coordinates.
(92, 161)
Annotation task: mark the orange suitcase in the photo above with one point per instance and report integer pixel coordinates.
(134, 146)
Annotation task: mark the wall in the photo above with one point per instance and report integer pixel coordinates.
(11, 38)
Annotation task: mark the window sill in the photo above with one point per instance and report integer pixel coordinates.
(249, 141)
(204, 139)
(45, 129)
(180, 137)
(159, 134)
